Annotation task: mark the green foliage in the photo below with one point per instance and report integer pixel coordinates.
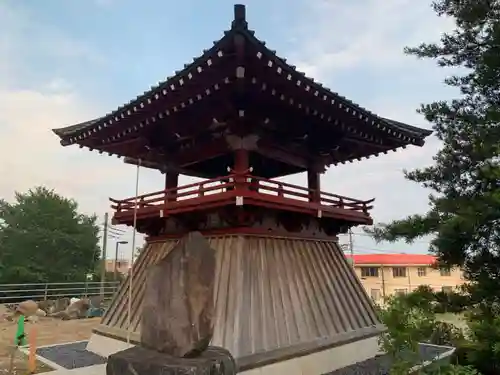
(422, 297)
(446, 334)
(406, 326)
(480, 350)
(440, 302)
(44, 239)
(464, 212)
(410, 320)
(454, 370)
(483, 349)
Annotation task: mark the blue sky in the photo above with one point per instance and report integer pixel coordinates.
(68, 61)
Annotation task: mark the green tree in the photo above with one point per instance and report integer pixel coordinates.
(44, 239)
(464, 213)
(407, 326)
(410, 320)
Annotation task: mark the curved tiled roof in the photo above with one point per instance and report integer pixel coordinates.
(79, 132)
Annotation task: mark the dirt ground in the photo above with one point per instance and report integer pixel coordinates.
(49, 331)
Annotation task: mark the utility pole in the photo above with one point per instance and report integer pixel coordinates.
(103, 260)
(382, 269)
(115, 271)
(351, 246)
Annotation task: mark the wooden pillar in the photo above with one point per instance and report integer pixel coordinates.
(241, 165)
(313, 184)
(171, 182)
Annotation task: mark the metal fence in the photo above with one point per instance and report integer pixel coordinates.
(10, 293)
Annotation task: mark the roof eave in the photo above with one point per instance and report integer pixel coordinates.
(411, 131)
(416, 135)
(207, 54)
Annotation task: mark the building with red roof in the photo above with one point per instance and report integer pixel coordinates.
(383, 275)
(394, 259)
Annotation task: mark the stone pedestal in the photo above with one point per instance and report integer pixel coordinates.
(142, 361)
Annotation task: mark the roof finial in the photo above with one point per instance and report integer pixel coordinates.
(239, 17)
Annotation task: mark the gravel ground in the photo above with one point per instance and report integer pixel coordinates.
(381, 365)
(73, 355)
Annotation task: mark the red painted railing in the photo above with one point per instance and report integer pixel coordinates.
(257, 188)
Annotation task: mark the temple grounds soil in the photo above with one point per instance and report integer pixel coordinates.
(49, 331)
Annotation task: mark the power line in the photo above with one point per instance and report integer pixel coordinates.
(384, 252)
(372, 250)
(111, 227)
(369, 235)
(114, 230)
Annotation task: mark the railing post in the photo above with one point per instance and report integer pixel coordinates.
(280, 190)
(46, 291)
(201, 191)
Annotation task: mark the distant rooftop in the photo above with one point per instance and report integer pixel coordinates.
(394, 259)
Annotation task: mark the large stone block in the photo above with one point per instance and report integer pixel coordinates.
(142, 361)
(178, 309)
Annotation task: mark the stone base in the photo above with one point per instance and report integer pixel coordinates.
(142, 361)
(314, 363)
(106, 346)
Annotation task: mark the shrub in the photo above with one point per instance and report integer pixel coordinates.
(406, 326)
(446, 334)
(410, 320)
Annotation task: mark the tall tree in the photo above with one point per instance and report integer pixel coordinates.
(43, 238)
(464, 213)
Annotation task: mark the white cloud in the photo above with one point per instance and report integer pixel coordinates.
(370, 34)
(338, 39)
(334, 39)
(31, 154)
